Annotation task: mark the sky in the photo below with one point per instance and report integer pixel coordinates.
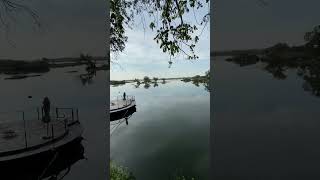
(143, 57)
(68, 28)
(247, 24)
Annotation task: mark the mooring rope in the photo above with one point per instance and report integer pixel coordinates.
(120, 122)
(46, 169)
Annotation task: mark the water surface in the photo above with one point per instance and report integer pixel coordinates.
(65, 89)
(264, 128)
(169, 133)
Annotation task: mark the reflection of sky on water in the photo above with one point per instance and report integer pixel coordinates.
(65, 90)
(169, 131)
(263, 127)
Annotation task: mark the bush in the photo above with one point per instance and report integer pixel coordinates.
(120, 173)
(155, 79)
(146, 79)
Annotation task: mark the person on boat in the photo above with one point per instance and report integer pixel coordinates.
(124, 96)
(46, 109)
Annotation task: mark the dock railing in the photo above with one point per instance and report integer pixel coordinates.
(30, 131)
(128, 101)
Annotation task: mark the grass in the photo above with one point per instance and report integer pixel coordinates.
(120, 173)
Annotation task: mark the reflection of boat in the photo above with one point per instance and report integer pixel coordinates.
(122, 108)
(53, 164)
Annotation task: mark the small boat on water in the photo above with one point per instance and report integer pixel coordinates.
(122, 107)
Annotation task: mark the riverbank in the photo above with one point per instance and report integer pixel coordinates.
(279, 58)
(147, 82)
(16, 67)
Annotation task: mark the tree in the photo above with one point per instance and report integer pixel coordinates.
(137, 81)
(313, 37)
(146, 79)
(207, 73)
(9, 9)
(155, 79)
(173, 33)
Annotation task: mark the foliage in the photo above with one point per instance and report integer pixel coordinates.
(146, 79)
(207, 73)
(186, 79)
(112, 82)
(313, 37)
(9, 10)
(173, 33)
(120, 173)
(137, 81)
(277, 48)
(155, 79)
(85, 57)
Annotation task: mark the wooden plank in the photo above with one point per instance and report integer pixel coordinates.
(12, 134)
(120, 103)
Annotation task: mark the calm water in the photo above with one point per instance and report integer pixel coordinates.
(169, 133)
(264, 128)
(65, 90)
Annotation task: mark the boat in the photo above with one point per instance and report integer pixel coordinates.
(50, 165)
(28, 140)
(122, 107)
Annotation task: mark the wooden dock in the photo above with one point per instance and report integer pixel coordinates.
(13, 136)
(120, 103)
(28, 137)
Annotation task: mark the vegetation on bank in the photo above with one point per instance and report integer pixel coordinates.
(196, 80)
(281, 57)
(121, 173)
(19, 67)
(44, 65)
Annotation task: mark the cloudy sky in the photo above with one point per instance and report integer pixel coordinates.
(247, 24)
(68, 28)
(143, 57)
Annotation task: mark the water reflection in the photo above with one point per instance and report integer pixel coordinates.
(90, 69)
(55, 165)
(197, 82)
(65, 90)
(118, 119)
(156, 142)
(87, 78)
(308, 68)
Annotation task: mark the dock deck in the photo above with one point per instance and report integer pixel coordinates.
(13, 136)
(120, 103)
(24, 137)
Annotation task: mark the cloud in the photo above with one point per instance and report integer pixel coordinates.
(142, 49)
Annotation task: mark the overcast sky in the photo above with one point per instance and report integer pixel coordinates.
(246, 24)
(68, 28)
(143, 57)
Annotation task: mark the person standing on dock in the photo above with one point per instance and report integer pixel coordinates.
(124, 96)
(46, 109)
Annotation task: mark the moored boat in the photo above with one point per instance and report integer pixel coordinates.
(122, 107)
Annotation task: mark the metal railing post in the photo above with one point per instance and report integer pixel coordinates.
(57, 112)
(38, 113)
(72, 115)
(65, 125)
(52, 131)
(77, 114)
(25, 131)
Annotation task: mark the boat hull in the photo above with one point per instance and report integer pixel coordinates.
(44, 164)
(124, 113)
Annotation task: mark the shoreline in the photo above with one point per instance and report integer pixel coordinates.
(16, 67)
